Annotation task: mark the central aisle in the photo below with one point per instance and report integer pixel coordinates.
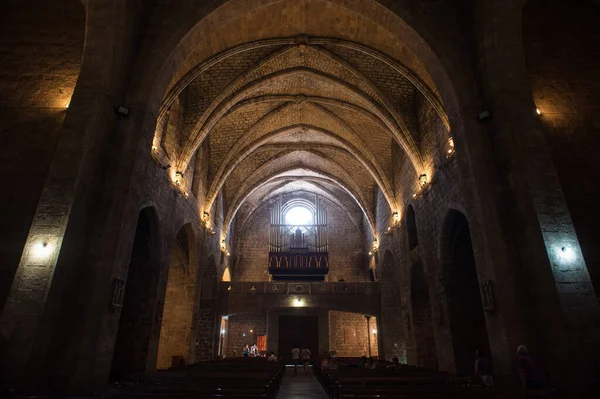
(300, 386)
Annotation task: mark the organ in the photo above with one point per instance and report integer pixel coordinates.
(298, 251)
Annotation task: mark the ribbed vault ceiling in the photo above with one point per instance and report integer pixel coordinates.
(294, 114)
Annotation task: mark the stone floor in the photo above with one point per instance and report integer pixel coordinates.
(300, 386)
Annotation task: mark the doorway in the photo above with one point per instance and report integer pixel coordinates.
(467, 320)
(300, 331)
(131, 351)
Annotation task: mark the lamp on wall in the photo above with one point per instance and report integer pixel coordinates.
(375, 245)
(423, 180)
(42, 250)
(450, 146)
(178, 179)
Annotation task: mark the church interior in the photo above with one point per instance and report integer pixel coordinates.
(190, 182)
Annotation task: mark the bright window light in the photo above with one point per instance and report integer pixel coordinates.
(298, 215)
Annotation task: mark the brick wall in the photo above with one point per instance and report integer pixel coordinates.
(349, 334)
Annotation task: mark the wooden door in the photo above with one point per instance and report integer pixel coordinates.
(300, 331)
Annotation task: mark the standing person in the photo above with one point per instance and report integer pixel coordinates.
(246, 351)
(306, 358)
(483, 369)
(296, 357)
(527, 370)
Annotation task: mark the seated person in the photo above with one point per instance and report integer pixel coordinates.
(371, 365)
(362, 363)
(333, 364)
(395, 365)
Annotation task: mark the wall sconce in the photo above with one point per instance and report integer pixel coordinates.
(42, 250)
(223, 245)
(228, 254)
(370, 253)
(396, 217)
(450, 146)
(298, 303)
(414, 196)
(423, 180)
(178, 179)
(212, 232)
(537, 111)
(374, 331)
(375, 245)
(567, 254)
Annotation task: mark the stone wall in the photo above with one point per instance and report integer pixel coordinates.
(349, 334)
(243, 330)
(560, 44)
(346, 256)
(41, 55)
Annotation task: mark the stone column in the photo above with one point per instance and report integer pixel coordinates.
(561, 307)
(54, 258)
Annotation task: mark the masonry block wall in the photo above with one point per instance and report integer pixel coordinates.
(243, 330)
(346, 256)
(560, 42)
(349, 334)
(41, 55)
(176, 327)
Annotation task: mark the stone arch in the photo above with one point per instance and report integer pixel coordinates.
(363, 155)
(140, 310)
(467, 319)
(560, 44)
(422, 318)
(411, 228)
(348, 185)
(317, 183)
(176, 328)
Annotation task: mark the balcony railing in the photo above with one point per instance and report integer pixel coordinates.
(299, 264)
(300, 288)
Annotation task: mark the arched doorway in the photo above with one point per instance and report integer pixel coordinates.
(467, 321)
(138, 314)
(422, 319)
(176, 328)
